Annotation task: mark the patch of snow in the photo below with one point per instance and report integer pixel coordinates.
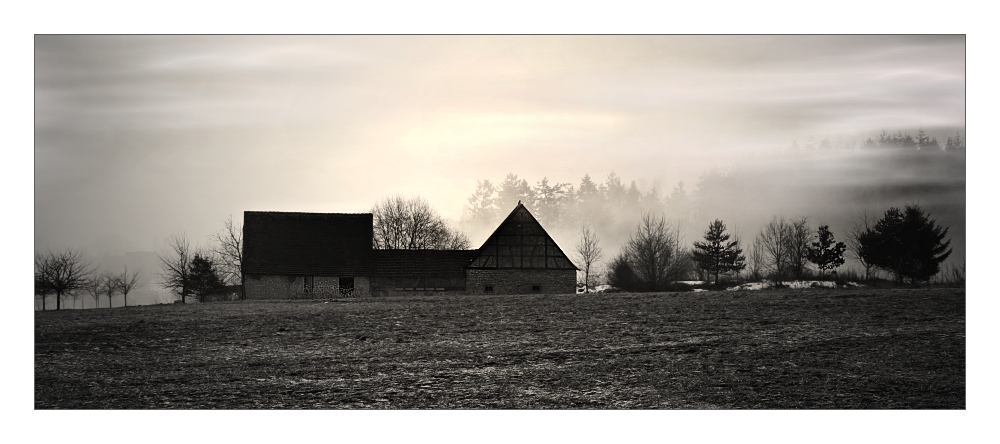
(689, 282)
(812, 284)
(750, 286)
(699, 289)
(790, 284)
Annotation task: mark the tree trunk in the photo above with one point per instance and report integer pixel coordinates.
(58, 298)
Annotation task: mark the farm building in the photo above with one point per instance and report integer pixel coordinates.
(317, 255)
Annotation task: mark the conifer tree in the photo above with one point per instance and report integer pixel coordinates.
(825, 252)
(717, 254)
(204, 277)
(907, 243)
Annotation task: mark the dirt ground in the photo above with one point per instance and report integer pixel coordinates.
(772, 349)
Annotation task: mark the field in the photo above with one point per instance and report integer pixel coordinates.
(771, 349)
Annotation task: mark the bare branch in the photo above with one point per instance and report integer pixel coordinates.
(127, 282)
(589, 252)
(60, 274)
(411, 224)
(175, 266)
(773, 238)
(228, 252)
(109, 285)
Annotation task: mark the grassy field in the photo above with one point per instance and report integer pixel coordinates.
(780, 349)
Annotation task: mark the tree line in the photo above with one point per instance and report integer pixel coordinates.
(885, 139)
(906, 243)
(614, 206)
(610, 207)
(67, 275)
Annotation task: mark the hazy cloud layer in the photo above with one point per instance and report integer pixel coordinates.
(141, 136)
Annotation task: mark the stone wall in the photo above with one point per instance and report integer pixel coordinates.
(520, 281)
(424, 285)
(293, 287)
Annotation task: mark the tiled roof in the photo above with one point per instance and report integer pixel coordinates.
(521, 242)
(440, 263)
(321, 244)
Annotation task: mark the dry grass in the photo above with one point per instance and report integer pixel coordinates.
(819, 348)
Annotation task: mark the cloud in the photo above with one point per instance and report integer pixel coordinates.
(192, 128)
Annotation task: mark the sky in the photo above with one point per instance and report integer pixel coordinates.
(140, 137)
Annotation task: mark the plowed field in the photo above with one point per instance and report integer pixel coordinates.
(773, 349)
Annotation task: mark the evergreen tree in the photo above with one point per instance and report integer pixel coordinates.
(204, 277)
(550, 201)
(956, 144)
(825, 253)
(510, 192)
(717, 254)
(482, 203)
(927, 143)
(906, 243)
(590, 203)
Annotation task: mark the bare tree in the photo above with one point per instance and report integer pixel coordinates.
(756, 260)
(42, 287)
(127, 282)
(228, 251)
(109, 286)
(774, 240)
(798, 247)
(862, 224)
(176, 267)
(94, 288)
(411, 224)
(458, 241)
(590, 252)
(59, 274)
(649, 252)
(682, 260)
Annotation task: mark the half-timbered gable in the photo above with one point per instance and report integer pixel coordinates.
(520, 257)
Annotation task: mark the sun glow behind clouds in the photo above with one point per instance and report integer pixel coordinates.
(451, 132)
(332, 123)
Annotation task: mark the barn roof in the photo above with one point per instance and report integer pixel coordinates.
(321, 244)
(441, 263)
(521, 242)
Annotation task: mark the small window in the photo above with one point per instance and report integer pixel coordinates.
(307, 284)
(536, 288)
(488, 289)
(347, 286)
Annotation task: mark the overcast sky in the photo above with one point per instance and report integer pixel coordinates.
(138, 137)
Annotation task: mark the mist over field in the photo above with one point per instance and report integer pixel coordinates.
(138, 138)
(829, 187)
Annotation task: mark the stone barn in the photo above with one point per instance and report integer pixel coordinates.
(306, 255)
(320, 255)
(422, 271)
(520, 257)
